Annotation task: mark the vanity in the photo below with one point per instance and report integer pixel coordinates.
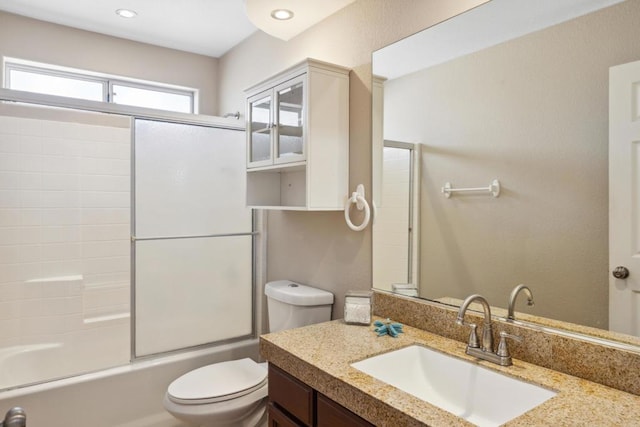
(292, 402)
(319, 358)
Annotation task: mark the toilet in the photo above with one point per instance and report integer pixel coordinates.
(234, 393)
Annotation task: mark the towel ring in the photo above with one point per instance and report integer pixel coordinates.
(357, 197)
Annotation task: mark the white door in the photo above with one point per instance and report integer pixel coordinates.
(624, 198)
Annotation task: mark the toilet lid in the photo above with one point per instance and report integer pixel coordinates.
(218, 382)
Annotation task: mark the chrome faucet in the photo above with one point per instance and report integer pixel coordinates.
(501, 356)
(514, 295)
(487, 329)
(16, 417)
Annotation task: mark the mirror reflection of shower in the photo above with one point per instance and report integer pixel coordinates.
(395, 250)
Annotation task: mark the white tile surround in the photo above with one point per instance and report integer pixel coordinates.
(390, 249)
(64, 231)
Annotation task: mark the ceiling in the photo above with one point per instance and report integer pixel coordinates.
(206, 27)
(488, 25)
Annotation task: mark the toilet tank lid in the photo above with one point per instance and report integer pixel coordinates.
(294, 293)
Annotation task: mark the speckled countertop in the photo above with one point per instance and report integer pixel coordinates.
(320, 356)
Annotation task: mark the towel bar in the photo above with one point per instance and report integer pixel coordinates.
(493, 188)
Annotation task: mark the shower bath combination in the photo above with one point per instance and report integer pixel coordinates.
(108, 220)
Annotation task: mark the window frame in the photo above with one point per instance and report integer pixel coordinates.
(107, 81)
(151, 87)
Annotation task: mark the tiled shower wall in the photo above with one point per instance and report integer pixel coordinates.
(390, 237)
(64, 228)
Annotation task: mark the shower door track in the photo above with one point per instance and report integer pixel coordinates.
(124, 110)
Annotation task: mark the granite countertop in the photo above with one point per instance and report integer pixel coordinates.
(320, 356)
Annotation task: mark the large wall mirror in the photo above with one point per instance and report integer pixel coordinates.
(515, 91)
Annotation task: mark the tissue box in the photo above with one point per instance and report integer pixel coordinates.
(358, 307)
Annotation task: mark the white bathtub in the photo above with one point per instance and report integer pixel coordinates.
(126, 396)
(26, 364)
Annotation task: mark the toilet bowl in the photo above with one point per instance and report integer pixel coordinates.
(234, 393)
(229, 393)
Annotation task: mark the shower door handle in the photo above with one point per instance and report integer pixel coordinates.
(16, 417)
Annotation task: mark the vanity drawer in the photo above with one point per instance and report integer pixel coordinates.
(277, 418)
(330, 414)
(289, 394)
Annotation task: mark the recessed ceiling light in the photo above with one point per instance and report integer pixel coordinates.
(281, 14)
(126, 13)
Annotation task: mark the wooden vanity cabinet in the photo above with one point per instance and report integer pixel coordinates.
(294, 403)
(291, 396)
(277, 418)
(330, 414)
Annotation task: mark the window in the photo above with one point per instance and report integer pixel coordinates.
(52, 80)
(146, 96)
(49, 84)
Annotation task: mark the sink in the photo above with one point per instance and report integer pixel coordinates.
(477, 394)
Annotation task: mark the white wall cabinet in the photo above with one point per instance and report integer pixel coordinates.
(298, 139)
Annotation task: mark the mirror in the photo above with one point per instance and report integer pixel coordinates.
(514, 91)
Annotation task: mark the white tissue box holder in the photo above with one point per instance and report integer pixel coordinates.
(358, 307)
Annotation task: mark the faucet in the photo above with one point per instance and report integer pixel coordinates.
(487, 329)
(514, 295)
(502, 356)
(16, 417)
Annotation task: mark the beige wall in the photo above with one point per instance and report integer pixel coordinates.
(317, 248)
(532, 112)
(40, 41)
(313, 248)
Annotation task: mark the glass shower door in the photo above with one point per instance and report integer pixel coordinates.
(193, 237)
(394, 247)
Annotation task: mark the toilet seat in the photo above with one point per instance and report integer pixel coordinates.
(218, 382)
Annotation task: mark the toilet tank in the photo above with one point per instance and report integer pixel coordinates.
(291, 305)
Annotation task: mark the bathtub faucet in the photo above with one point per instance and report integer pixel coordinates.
(16, 417)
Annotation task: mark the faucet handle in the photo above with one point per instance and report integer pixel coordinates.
(473, 336)
(503, 349)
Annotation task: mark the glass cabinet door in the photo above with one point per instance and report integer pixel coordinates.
(290, 138)
(260, 130)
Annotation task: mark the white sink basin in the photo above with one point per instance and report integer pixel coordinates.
(479, 395)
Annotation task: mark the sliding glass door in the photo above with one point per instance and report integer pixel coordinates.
(193, 237)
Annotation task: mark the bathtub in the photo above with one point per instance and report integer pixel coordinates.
(125, 396)
(26, 364)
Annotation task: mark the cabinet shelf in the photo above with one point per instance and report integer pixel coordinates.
(276, 168)
(277, 187)
(291, 130)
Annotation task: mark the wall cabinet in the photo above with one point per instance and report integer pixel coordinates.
(293, 403)
(298, 139)
(276, 129)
